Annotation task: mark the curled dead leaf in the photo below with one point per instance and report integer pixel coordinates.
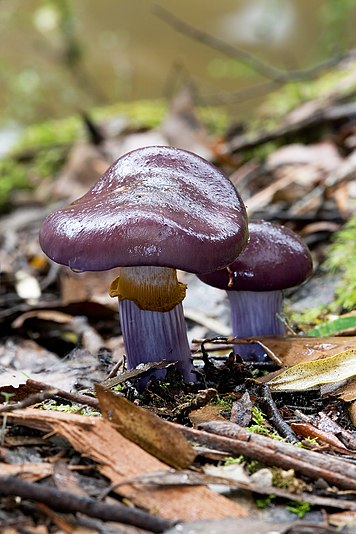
(146, 429)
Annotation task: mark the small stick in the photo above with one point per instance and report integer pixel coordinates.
(237, 341)
(35, 398)
(70, 502)
(45, 391)
(280, 424)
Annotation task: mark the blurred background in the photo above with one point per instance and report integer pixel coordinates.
(61, 56)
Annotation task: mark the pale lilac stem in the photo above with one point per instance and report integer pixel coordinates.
(255, 314)
(153, 336)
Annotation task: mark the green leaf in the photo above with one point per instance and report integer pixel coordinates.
(333, 327)
(310, 374)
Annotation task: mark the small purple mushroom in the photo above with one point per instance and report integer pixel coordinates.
(155, 210)
(274, 259)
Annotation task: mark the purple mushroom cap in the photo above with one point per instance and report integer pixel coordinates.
(155, 206)
(275, 258)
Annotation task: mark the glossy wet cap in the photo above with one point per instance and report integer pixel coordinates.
(275, 258)
(155, 206)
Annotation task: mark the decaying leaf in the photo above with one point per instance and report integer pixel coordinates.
(120, 461)
(311, 374)
(146, 429)
(347, 392)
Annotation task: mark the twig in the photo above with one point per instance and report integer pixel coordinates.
(202, 398)
(226, 341)
(259, 66)
(70, 502)
(68, 395)
(45, 391)
(35, 398)
(236, 440)
(319, 116)
(277, 420)
(137, 372)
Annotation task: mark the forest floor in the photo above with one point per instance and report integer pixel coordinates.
(83, 449)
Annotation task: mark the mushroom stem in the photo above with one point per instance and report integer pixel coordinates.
(152, 319)
(255, 314)
(154, 336)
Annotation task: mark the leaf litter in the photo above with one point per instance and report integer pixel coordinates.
(61, 339)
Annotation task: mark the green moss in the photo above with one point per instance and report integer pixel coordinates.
(258, 417)
(66, 131)
(261, 152)
(142, 113)
(69, 408)
(299, 508)
(260, 425)
(264, 502)
(342, 259)
(225, 403)
(231, 460)
(63, 131)
(146, 113)
(341, 263)
(291, 95)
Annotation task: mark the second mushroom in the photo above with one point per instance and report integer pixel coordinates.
(274, 259)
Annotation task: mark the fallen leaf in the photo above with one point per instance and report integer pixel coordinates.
(308, 430)
(346, 323)
(341, 519)
(206, 413)
(120, 461)
(87, 286)
(146, 429)
(352, 413)
(325, 155)
(311, 374)
(296, 349)
(347, 392)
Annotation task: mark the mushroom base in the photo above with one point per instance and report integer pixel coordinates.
(255, 314)
(151, 336)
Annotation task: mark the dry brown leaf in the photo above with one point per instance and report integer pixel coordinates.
(297, 349)
(261, 198)
(347, 392)
(45, 315)
(146, 429)
(324, 154)
(341, 519)
(352, 413)
(206, 413)
(120, 460)
(87, 286)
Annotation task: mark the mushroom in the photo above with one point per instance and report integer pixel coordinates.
(155, 210)
(274, 259)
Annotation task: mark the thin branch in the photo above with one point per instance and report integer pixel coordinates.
(70, 502)
(259, 66)
(277, 420)
(235, 440)
(296, 125)
(45, 392)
